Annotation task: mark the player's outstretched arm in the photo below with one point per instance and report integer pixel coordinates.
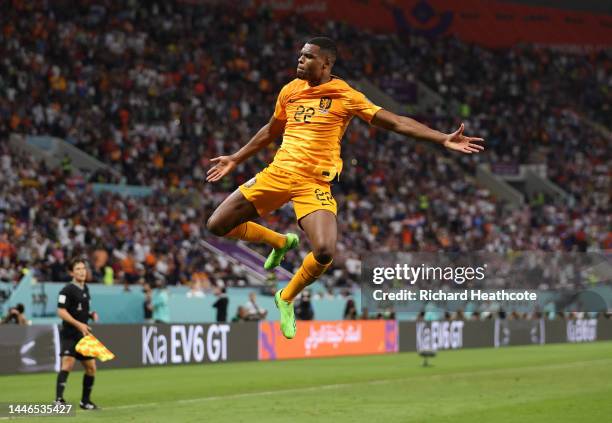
(410, 127)
(225, 164)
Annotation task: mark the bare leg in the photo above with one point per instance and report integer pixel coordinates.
(89, 366)
(233, 219)
(67, 363)
(233, 211)
(322, 231)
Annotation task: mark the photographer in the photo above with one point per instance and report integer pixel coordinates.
(303, 307)
(15, 315)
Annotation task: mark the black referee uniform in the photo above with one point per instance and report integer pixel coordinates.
(76, 301)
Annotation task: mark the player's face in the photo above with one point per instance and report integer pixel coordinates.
(79, 272)
(311, 63)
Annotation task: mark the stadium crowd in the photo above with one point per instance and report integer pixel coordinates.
(156, 90)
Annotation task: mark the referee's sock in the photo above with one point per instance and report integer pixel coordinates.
(254, 232)
(60, 385)
(88, 382)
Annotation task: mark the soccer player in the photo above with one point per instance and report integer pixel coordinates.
(312, 113)
(73, 308)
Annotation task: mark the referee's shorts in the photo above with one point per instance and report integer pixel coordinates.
(68, 345)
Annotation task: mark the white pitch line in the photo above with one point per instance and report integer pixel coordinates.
(246, 395)
(346, 385)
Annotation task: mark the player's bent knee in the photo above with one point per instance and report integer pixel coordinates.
(215, 227)
(324, 255)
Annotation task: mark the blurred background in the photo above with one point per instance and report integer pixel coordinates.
(110, 112)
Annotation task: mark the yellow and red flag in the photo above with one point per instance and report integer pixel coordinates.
(90, 346)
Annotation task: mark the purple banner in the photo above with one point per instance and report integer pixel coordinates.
(247, 257)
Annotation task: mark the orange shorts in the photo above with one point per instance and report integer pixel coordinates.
(273, 187)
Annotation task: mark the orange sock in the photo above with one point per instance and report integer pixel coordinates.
(309, 271)
(253, 232)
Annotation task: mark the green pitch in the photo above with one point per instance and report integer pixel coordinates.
(552, 383)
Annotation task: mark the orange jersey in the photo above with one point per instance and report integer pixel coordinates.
(316, 120)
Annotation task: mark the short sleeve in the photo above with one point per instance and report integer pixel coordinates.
(280, 111)
(357, 104)
(63, 298)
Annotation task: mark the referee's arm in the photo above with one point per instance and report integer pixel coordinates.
(81, 327)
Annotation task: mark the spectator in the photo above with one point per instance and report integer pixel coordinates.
(161, 312)
(350, 310)
(148, 303)
(221, 305)
(303, 308)
(253, 310)
(16, 315)
(241, 315)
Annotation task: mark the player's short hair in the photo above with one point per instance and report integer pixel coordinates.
(326, 45)
(76, 261)
(20, 308)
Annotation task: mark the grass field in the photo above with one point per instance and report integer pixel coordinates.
(552, 383)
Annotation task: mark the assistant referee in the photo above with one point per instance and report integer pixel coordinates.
(73, 308)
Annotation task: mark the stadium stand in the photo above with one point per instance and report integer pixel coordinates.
(157, 90)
